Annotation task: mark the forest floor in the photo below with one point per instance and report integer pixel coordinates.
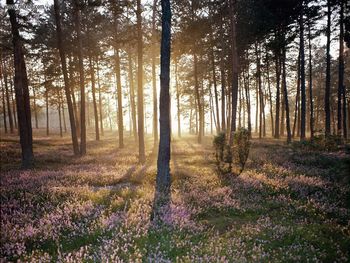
(288, 205)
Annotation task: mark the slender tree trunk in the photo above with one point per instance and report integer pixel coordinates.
(93, 89)
(119, 100)
(215, 93)
(81, 78)
(47, 108)
(312, 129)
(154, 82)
(302, 78)
(59, 114)
(297, 99)
(7, 98)
(66, 82)
(270, 93)
(341, 86)
(198, 99)
(247, 94)
(13, 101)
(178, 101)
(132, 96)
(258, 75)
(285, 93)
(4, 108)
(63, 116)
(277, 120)
(99, 97)
(35, 109)
(22, 92)
(75, 107)
(140, 113)
(234, 70)
(328, 72)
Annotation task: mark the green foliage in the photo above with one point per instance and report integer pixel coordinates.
(328, 143)
(219, 145)
(229, 157)
(240, 148)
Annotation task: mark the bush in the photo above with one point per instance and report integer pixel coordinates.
(219, 145)
(241, 147)
(227, 157)
(320, 143)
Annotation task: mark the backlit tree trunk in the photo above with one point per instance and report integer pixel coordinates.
(163, 182)
(67, 87)
(22, 92)
(140, 112)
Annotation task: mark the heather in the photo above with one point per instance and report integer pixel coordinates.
(289, 204)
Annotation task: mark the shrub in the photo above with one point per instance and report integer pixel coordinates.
(320, 143)
(219, 145)
(227, 157)
(241, 147)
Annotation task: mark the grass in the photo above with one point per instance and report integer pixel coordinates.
(288, 205)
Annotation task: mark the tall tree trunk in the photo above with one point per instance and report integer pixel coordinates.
(63, 115)
(312, 129)
(59, 113)
(270, 93)
(93, 90)
(13, 101)
(163, 182)
(99, 97)
(81, 78)
(4, 108)
(234, 96)
(66, 82)
(223, 95)
(198, 99)
(154, 82)
(47, 107)
(7, 97)
(258, 75)
(341, 86)
(328, 72)
(297, 99)
(278, 73)
(178, 101)
(35, 109)
(247, 95)
(119, 100)
(75, 107)
(285, 93)
(132, 95)
(22, 92)
(215, 93)
(140, 113)
(302, 78)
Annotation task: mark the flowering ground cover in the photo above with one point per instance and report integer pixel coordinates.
(288, 205)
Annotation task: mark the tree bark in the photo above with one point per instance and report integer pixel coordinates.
(132, 96)
(163, 181)
(312, 129)
(154, 82)
(302, 78)
(99, 97)
(341, 86)
(328, 72)
(234, 95)
(81, 77)
(66, 83)
(178, 101)
(93, 89)
(7, 98)
(285, 93)
(22, 92)
(277, 120)
(140, 112)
